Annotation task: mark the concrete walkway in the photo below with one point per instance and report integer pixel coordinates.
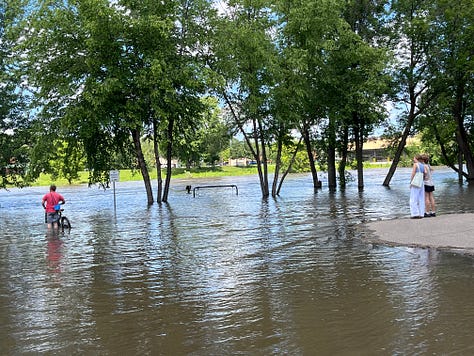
(450, 231)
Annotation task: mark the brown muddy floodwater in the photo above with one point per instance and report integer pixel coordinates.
(227, 274)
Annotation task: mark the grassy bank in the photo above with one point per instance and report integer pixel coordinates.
(178, 173)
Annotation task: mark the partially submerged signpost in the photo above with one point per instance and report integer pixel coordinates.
(114, 176)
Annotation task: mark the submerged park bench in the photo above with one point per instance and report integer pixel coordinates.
(214, 186)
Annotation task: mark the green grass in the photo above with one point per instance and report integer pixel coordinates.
(46, 180)
(205, 172)
(177, 173)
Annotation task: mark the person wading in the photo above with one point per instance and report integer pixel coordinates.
(51, 203)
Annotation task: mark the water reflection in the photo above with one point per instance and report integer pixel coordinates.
(227, 274)
(54, 253)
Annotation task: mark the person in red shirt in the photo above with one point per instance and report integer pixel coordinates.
(50, 201)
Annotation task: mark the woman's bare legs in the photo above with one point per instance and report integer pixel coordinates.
(430, 203)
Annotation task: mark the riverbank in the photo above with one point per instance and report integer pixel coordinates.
(127, 175)
(448, 232)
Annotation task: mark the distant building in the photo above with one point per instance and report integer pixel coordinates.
(239, 162)
(377, 149)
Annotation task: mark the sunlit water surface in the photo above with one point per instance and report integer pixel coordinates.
(228, 274)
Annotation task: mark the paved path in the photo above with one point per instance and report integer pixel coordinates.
(450, 231)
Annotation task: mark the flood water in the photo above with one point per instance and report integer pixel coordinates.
(228, 274)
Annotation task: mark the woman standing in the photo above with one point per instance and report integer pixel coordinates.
(417, 194)
(430, 206)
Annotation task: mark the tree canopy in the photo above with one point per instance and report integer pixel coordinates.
(85, 84)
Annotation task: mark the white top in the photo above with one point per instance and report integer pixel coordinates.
(427, 178)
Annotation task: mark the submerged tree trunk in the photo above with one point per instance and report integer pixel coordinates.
(461, 134)
(460, 170)
(156, 150)
(406, 131)
(343, 162)
(142, 165)
(312, 163)
(359, 142)
(399, 151)
(169, 151)
(258, 148)
(332, 183)
(448, 161)
(288, 169)
(414, 95)
(264, 161)
(277, 167)
(258, 159)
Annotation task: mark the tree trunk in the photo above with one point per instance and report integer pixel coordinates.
(288, 169)
(460, 170)
(343, 162)
(461, 134)
(412, 86)
(156, 150)
(359, 142)
(360, 164)
(277, 167)
(448, 161)
(403, 140)
(312, 163)
(142, 165)
(264, 159)
(332, 184)
(260, 158)
(169, 151)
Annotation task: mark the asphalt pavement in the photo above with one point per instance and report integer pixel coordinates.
(447, 231)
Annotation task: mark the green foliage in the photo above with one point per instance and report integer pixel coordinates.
(67, 160)
(204, 140)
(300, 163)
(15, 134)
(98, 71)
(238, 149)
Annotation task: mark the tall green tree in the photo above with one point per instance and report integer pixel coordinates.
(15, 134)
(413, 45)
(335, 75)
(243, 56)
(307, 31)
(365, 80)
(453, 22)
(85, 69)
(110, 73)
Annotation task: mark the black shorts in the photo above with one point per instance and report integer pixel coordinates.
(429, 188)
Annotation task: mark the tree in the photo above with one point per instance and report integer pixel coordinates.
(307, 35)
(243, 56)
(454, 24)
(335, 75)
(414, 47)
(15, 134)
(85, 68)
(366, 85)
(108, 74)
